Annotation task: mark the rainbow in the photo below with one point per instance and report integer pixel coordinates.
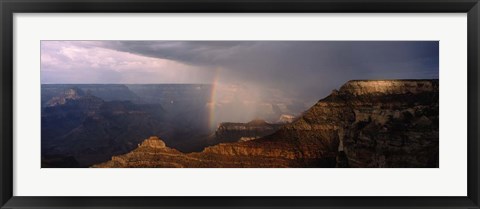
(213, 98)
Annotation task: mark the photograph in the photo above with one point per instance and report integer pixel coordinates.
(239, 104)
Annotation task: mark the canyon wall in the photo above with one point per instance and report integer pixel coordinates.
(379, 123)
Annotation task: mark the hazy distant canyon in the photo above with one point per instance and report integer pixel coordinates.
(84, 124)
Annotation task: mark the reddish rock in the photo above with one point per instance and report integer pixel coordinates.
(384, 123)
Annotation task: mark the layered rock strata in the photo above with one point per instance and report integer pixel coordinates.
(381, 123)
(233, 132)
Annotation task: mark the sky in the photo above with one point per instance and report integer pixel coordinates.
(305, 69)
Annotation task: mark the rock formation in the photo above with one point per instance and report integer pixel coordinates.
(284, 118)
(233, 132)
(384, 123)
(68, 94)
(152, 153)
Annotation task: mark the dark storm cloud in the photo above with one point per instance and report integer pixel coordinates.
(299, 67)
(192, 52)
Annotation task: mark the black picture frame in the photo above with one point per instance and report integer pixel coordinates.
(9, 7)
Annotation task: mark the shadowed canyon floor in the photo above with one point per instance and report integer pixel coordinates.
(366, 123)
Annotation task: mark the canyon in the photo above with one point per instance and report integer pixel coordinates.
(363, 124)
(86, 124)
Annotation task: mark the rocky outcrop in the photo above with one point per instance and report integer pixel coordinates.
(396, 124)
(152, 153)
(284, 118)
(68, 94)
(233, 132)
(389, 87)
(385, 123)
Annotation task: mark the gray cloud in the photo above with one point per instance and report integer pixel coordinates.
(298, 67)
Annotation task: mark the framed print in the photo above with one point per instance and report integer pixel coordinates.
(240, 104)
